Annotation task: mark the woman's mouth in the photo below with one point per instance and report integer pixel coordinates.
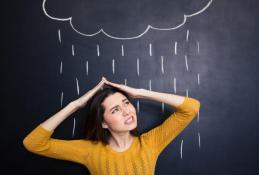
(129, 120)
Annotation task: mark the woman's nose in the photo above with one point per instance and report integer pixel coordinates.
(125, 111)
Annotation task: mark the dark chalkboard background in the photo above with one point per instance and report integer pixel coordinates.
(227, 63)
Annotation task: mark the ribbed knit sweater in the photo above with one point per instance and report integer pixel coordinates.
(139, 159)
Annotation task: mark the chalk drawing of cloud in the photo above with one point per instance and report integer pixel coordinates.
(123, 19)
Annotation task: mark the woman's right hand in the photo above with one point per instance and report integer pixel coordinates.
(81, 102)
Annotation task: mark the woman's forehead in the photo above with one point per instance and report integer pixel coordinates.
(114, 99)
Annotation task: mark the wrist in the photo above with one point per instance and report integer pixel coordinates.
(142, 93)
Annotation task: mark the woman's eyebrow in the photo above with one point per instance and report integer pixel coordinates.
(118, 105)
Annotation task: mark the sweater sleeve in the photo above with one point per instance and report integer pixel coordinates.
(159, 137)
(39, 141)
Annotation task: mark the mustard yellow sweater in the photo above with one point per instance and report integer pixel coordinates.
(139, 159)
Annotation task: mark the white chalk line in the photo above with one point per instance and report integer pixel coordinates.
(122, 50)
(74, 126)
(98, 50)
(138, 105)
(73, 50)
(59, 36)
(149, 27)
(198, 117)
(138, 66)
(86, 67)
(113, 67)
(174, 85)
(61, 99)
(150, 49)
(186, 62)
(77, 86)
(163, 107)
(162, 64)
(61, 67)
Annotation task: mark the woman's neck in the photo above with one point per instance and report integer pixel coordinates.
(121, 141)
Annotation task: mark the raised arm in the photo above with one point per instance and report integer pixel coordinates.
(39, 140)
(51, 123)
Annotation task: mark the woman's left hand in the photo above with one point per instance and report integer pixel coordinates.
(133, 92)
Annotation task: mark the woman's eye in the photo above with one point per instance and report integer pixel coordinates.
(127, 102)
(114, 110)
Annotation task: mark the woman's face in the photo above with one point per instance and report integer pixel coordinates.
(119, 114)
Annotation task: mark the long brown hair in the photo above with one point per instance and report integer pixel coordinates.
(93, 125)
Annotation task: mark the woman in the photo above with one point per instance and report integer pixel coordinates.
(112, 144)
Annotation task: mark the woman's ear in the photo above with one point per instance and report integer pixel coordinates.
(104, 125)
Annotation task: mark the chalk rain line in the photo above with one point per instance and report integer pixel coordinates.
(59, 36)
(150, 49)
(77, 86)
(138, 66)
(198, 117)
(86, 67)
(98, 50)
(122, 50)
(113, 66)
(61, 68)
(61, 99)
(138, 106)
(163, 107)
(162, 64)
(73, 50)
(175, 47)
(150, 85)
(74, 126)
(187, 93)
(174, 85)
(186, 62)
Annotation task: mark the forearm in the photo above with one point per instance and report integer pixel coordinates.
(51, 123)
(167, 98)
